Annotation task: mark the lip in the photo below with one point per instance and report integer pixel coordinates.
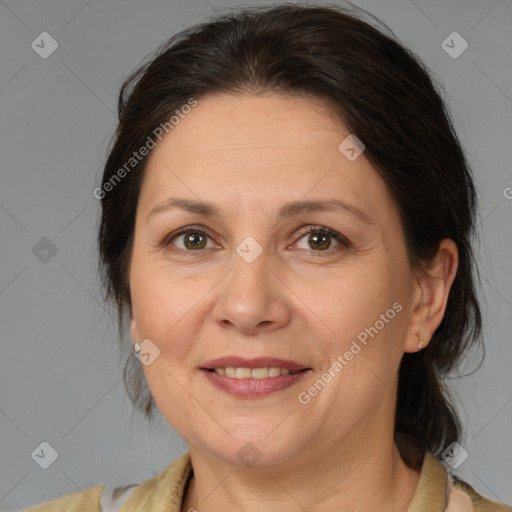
(252, 388)
(259, 362)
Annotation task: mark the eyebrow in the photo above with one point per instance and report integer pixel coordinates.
(293, 209)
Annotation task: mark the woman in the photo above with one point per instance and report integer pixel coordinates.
(287, 218)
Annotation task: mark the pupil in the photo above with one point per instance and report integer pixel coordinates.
(194, 240)
(321, 245)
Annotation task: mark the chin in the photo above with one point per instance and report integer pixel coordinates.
(259, 450)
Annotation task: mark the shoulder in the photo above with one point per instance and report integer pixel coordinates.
(438, 489)
(84, 501)
(163, 492)
(479, 502)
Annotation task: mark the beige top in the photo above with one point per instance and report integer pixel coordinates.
(164, 493)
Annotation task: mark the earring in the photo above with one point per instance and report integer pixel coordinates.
(136, 347)
(421, 341)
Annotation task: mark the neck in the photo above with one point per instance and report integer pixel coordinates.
(370, 477)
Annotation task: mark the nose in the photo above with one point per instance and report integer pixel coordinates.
(253, 297)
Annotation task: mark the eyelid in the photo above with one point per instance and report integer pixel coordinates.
(341, 239)
(182, 231)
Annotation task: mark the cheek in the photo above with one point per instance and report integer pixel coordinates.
(171, 311)
(159, 298)
(367, 314)
(352, 298)
(364, 312)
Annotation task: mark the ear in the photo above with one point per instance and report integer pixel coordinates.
(430, 296)
(134, 331)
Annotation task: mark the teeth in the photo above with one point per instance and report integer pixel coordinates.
(252, 373)
(259, 373)
(274, 372)
(243, 373)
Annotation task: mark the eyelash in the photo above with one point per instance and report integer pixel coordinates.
(344, 242)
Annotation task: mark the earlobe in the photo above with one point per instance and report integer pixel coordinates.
(432, 290)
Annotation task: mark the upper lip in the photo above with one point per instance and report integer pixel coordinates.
(259, 362)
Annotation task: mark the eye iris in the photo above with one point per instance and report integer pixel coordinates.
(323, 238)
(194, 239)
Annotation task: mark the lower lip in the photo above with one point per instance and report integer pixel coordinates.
(253, 388)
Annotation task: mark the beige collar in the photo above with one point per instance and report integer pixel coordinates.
(165, 492)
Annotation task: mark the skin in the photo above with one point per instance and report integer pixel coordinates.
(249, 155)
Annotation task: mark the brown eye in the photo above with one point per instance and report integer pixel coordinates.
(194, 240)
(319, 239)
(187, 240)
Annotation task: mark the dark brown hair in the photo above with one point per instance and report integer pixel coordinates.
(387, 98)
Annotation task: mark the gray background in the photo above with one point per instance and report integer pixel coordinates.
(59, 366)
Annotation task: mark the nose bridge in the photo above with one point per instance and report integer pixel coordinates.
(251, 295)
(250, 273)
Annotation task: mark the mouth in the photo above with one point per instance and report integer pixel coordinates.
(253, 373)
(261, 364)
(255, 377)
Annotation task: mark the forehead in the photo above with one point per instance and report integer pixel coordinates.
(223, 122)
(259, 147)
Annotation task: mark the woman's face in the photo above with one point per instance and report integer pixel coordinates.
(257, 279)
